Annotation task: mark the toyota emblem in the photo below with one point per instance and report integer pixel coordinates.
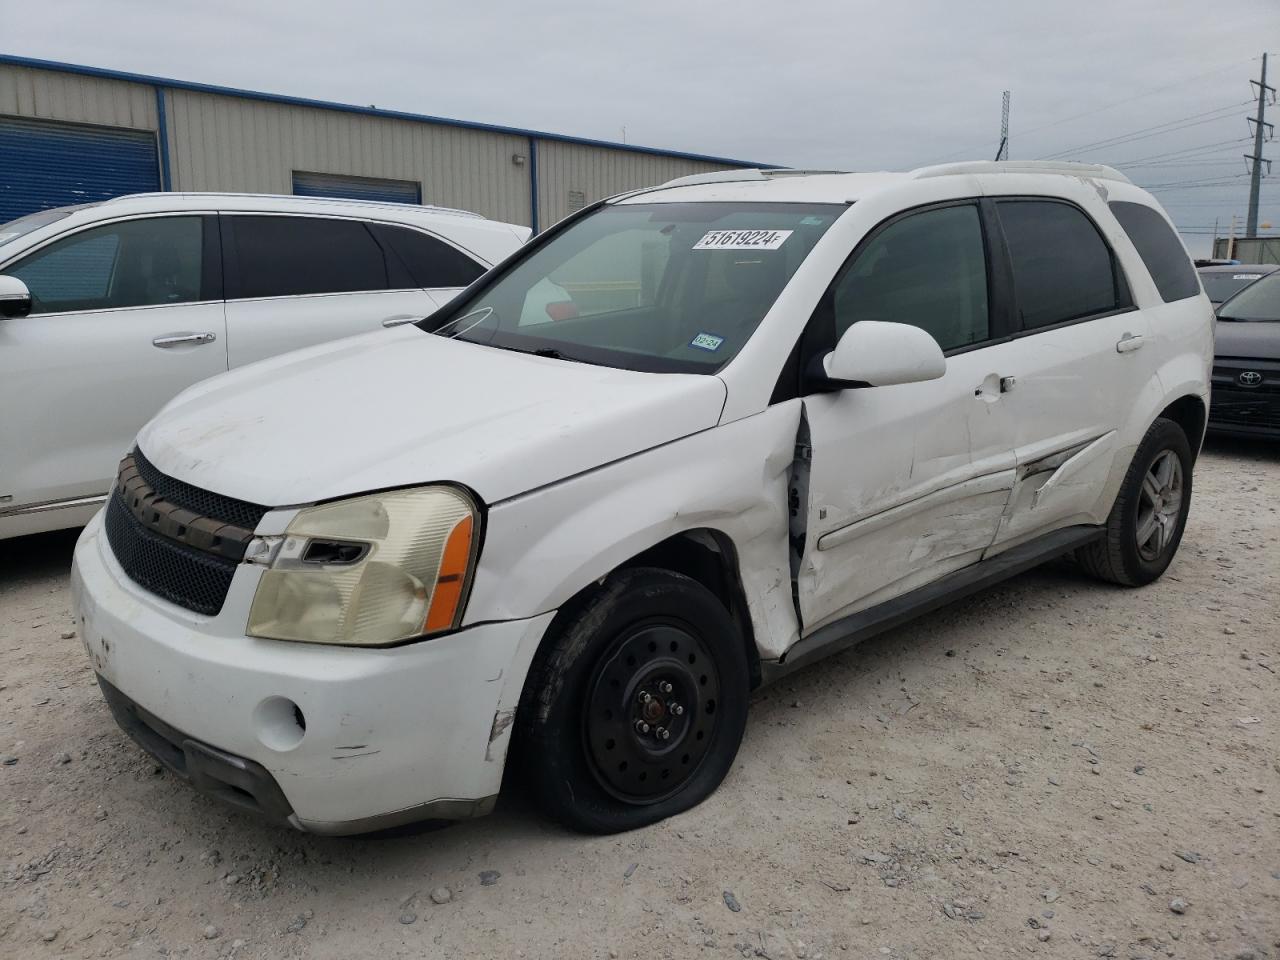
(1250, 378)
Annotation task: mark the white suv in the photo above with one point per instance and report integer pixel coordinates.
(685, 442)
(108, 310)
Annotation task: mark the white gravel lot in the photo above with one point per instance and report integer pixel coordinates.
(1055, 768)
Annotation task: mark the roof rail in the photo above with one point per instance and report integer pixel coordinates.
(1065, 168)
(429, 207)
(738, 176)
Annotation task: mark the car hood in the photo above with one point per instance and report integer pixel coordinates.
(402, 407)
(1248, 339)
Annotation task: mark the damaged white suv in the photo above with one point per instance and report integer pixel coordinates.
(690, 439)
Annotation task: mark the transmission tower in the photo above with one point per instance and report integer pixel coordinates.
(1003, 152)
(1261, 131)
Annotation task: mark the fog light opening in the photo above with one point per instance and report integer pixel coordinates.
(280, 723)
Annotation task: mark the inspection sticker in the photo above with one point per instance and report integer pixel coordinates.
(742, 240)
(706, 341)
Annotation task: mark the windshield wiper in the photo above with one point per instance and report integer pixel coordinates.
(554, 354)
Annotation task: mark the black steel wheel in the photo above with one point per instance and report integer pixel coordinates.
(636, 704)
(650, 713)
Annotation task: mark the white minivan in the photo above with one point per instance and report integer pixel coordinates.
(108, 310)
(688, 440)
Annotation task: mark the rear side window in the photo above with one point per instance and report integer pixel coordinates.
(928, 269)
(415, 259)
(1161, 250)
(133, 263)
(296, 256)
(1062, 268)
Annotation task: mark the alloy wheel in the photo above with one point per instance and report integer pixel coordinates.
(1160, 505)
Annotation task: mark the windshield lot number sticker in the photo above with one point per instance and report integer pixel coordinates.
(742, 240)
(706, 341)
(1247, 276)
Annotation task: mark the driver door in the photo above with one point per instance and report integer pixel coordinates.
(908, 482)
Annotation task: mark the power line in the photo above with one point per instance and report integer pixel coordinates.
(1221, 113)
(1104, 107)
(1207, 148)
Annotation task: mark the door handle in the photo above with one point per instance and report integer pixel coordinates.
(400, 319)
(178, 339)
(1130, 342)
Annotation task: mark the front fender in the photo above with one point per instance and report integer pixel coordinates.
(544, 546)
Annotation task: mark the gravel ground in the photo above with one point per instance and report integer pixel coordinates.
(1055, 768)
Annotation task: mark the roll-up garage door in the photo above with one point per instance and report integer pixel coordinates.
(45, 164)
(355, 188)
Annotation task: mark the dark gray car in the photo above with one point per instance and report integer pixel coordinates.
(1221, 283)
(1246, 364)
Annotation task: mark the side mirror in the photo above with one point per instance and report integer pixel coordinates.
(15, 298)
(879, 354)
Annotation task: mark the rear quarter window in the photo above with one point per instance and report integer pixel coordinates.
(1160, 249)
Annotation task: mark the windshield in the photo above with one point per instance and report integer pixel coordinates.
(1222, 285)
(34, 221)
(1258, 301)
(667, 287)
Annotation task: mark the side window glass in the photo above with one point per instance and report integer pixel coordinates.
(929, 270)
(296, 256)
(416, 259)
(1160, 249)
(133, 263)
(1062, 268)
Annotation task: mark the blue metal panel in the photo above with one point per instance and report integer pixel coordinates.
(355, 188)
(106, 74)
(49, 164)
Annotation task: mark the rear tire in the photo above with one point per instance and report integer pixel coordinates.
(1150, 513)
(636, 706)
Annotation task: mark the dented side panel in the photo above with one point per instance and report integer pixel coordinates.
(543, 547)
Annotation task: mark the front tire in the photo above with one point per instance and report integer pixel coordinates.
(1146, 523)
(636, 706)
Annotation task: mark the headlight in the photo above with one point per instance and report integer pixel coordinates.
(371, 570)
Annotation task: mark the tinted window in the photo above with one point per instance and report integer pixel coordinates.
(1062, 268)
(415, 259)
(128, 264)
(1161, 250)
(293, 256)
(929, 270)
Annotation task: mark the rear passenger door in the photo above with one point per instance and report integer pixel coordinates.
(1080, 358)
(294, 281)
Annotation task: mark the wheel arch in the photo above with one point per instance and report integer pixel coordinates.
(1189, 413)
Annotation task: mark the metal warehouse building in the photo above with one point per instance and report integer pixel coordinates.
(73, 134)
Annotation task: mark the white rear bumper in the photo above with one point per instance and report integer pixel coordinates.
(391, 735)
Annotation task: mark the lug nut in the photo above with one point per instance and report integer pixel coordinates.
(642, 727)
(676, 708)
(665, 686)
(663, 733)
(644, 696)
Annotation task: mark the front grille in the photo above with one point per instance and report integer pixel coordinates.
(203, 502)
(1234, 403)
(181, 574)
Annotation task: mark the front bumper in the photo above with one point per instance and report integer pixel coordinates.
(333, 740)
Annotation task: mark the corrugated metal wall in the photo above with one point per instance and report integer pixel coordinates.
(224, 142)
(570, 174)
(49, 95)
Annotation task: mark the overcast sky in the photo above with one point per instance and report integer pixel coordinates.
(853, 85)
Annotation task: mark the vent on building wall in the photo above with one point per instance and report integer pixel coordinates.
(577, 200)
(355, 188)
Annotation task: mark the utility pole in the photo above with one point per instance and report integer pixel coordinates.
(1002, 153)
(1260, 128)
